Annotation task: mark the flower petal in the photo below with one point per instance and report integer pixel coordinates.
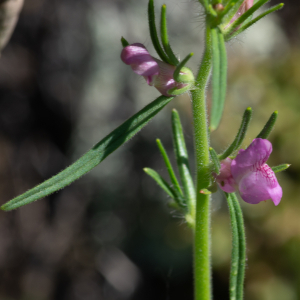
(250, 159)
(260, 185)
(141, 62)
(225, 179)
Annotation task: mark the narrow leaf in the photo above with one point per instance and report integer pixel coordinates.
(219, 77)
(165, 38)
(215, 160)
(280, 168)
(240, 135)
(247, 25)
(183, 163)
(169, 167)
(160, 181)
(242, 248)
(93, 157)
(235, 259)
(153, 33)
(269, 126)
(124, 42)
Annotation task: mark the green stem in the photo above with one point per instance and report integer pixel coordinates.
(202, 269)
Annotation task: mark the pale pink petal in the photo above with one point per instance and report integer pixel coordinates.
(165, 81)
(141, 62)
(250, 159)
(259, 185)
(225, 179)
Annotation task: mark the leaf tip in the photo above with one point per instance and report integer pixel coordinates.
(124, 42)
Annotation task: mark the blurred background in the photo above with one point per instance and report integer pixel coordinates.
(111, 235)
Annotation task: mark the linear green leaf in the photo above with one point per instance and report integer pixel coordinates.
(215, 160)
(183, 163)
(219, 77)
(153, 33)
(160, 181)
(242, 248)
(247, 25)
(269, 126)
(179, 202)
(165, 38)
(93, 157)
(235, 249)
(240, 135)
(169, 167)
(280, 168)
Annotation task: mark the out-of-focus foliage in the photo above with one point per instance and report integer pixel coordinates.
(110, 235)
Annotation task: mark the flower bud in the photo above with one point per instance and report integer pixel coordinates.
(243, 8)
(156, 72)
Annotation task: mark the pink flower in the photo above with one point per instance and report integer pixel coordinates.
(157, 73)
(243, 8)
(250, 175)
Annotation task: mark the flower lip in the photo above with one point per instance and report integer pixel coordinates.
(250, 174)
(252, 158)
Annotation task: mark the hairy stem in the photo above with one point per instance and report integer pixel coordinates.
(202, 269)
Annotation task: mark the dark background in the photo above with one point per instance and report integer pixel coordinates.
(110, 235)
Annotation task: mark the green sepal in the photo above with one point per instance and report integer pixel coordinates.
(182, 73)
(250, 23)
(176, 91)
(280, 168)
(247, 14)
(269, 126)
(93, 157)
(124, 42)
(153, 33)
(165, 38)
(171, 172)
(215, 160)
(240, 135)
(183, 163)
(219, 77)
(230, 10)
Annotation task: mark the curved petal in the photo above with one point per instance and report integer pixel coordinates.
(251, 159)
(141, 62)
(260, 185)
